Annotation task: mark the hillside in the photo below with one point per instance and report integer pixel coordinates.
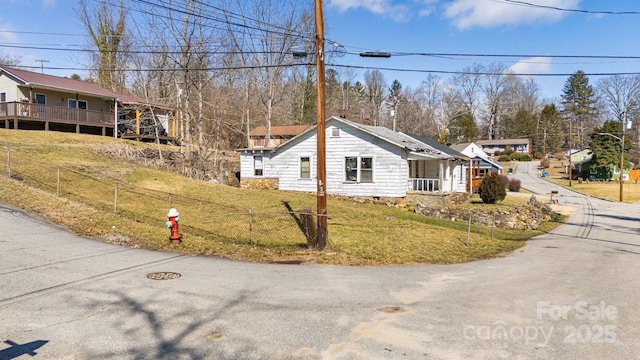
(98, 189)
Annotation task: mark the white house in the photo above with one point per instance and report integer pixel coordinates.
(479, 163)
(361, 160)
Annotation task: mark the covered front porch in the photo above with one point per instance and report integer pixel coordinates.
(427, 175)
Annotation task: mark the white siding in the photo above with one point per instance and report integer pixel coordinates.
(389, 163)
(285, 165)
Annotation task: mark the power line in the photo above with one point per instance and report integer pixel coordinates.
(596, 12)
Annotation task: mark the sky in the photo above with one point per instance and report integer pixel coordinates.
(451, 35)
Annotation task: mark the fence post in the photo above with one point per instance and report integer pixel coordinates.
(493, 224)
(115, 200)
(250, 227)
(469, 231)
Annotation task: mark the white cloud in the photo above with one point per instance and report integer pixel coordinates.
(534, 65)
(48, 3)
(380, 7)
(492, 13)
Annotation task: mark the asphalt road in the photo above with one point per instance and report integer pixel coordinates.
(569, 294)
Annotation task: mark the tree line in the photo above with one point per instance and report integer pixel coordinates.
(238, 64)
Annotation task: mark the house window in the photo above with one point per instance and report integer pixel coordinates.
(358, 171)
(257, 165)
(3, 97)
(366, 170)
(335, 132)
(41, 99)
(77, 104)
(305, 167)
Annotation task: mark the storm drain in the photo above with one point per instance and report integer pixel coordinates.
(163, 275)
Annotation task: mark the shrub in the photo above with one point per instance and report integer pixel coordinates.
(508, 150)
(559, 155)
(545, 163)
(505, 180)
(538, 155)
(504, 158)
(514, 185)
(524, 157)
(491, 189)
(497, 153)
(515, 156)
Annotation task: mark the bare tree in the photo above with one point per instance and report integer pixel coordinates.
(265, 33)
(374, 89)
(107, 34)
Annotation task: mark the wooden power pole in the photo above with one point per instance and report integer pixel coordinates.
(321, 131)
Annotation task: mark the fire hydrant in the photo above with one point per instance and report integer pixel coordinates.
(172, 223)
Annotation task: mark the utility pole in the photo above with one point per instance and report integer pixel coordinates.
(322, 232)
(42, 64)
(570, 170)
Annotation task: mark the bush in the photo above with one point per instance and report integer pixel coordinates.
(504, 158)
(524, 157)
(515, 156)
(491, 189)
(505, 180)
(514, 185)
(545, 163)
(559, 155)
(538, 155)
(508, 150)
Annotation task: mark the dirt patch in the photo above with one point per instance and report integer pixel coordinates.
(562, 209)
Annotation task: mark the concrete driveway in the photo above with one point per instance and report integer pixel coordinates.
(569, 294)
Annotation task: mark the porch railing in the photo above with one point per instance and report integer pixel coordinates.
(425, 185)
(42, 112)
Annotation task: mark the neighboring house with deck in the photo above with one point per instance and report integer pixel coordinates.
(35, 101)
(361, 160)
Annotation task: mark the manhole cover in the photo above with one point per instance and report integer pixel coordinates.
(163, 275)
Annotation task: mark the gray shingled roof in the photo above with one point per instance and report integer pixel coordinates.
(400, 139)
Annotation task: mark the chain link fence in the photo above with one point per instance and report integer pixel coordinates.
(199, 216)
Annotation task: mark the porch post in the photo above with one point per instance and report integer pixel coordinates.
(115, 118)
(440, 175)
(470, 179)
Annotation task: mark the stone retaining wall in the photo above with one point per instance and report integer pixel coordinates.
(526, 217)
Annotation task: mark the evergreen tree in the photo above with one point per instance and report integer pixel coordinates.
(491, 189)
(606, 148)
(578, 99)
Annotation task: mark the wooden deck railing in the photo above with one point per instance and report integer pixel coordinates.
(41, 112)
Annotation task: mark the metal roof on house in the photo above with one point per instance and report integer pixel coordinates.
(56, 82)
(280, 130)
(37, 80)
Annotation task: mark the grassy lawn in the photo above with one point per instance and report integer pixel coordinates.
(68, 179)
(602, 189)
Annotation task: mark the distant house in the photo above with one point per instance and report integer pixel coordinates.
(361, 160)
(279, 135)
(480, 163)
(582, 166)
(522, 146)
(35, 101)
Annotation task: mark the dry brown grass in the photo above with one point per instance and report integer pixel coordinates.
(603, 189)
(216, 219)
